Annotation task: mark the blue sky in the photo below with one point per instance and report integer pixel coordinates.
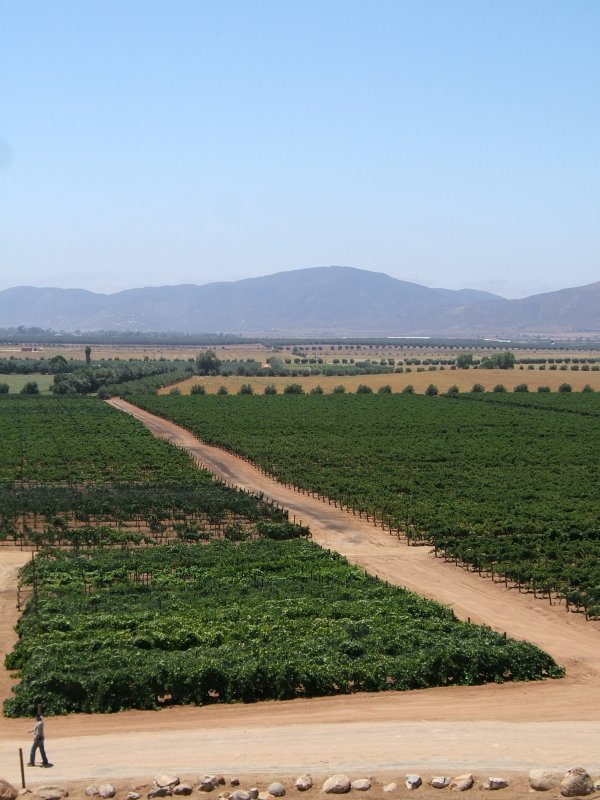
(448, 142)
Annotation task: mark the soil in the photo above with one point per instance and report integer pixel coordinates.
(508, 728)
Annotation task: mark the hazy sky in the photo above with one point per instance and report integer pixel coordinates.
(454, 143)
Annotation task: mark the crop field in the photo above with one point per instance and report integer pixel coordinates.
(222, 622)
(237, 605)
(506, 484)
(442, 379)
(75, 471)
(260, 352)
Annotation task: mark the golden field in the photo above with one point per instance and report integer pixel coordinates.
(443, 379)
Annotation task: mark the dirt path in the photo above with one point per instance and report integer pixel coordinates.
(507, 727)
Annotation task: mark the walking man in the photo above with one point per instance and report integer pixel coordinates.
(38, 743)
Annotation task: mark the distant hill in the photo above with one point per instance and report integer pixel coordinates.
(340, 301)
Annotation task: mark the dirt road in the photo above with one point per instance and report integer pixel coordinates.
(507, 727)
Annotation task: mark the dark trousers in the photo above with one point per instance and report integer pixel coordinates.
(38, 743)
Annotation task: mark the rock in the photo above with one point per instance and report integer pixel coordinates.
(389, 788)
(440, 781)
(304, 782)
(265, 796)
(207, 783)
(182, 789)
(277, 789)
(166, 779)
(22, 791)
(106, 790)
(542, 780)
(235, 781)
(220, 779)
(596, 787)
(253, 792)
(337, 784)
(224, 795)
(495, 783)
(576, 783)
(413, 781)
(133, 796)
(161, 791)
(7, 790)
(361, 785)
(462, 782)
(240, 794)
(51, 792)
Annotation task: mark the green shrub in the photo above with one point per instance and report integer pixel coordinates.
(431, 390)
(293, 388)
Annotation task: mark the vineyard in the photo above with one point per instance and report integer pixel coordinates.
(505, 484)
(76, 472)
(139, 627)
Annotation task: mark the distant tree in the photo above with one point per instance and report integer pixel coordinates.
(452, 391)
(222, 390)
(59, 364)
(498, 361)
(431, 390)
(499, 388)
(543, 389)
(317, 390)
(464, 360)
(339, 389)
(565, 387)
(198, 388)
(362, 388)
(477, 388)
(293, 388)
(30, 387)
(88, 354)
(4, 388)
(587, 388)
(246, 388)
(387, 389)
(175, 391)
(270, 388)
(521, 387)
(408, 389)
(207, 363)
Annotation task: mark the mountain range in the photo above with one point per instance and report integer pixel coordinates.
(331, 301)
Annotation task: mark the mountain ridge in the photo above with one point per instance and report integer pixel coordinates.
(333, 300)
